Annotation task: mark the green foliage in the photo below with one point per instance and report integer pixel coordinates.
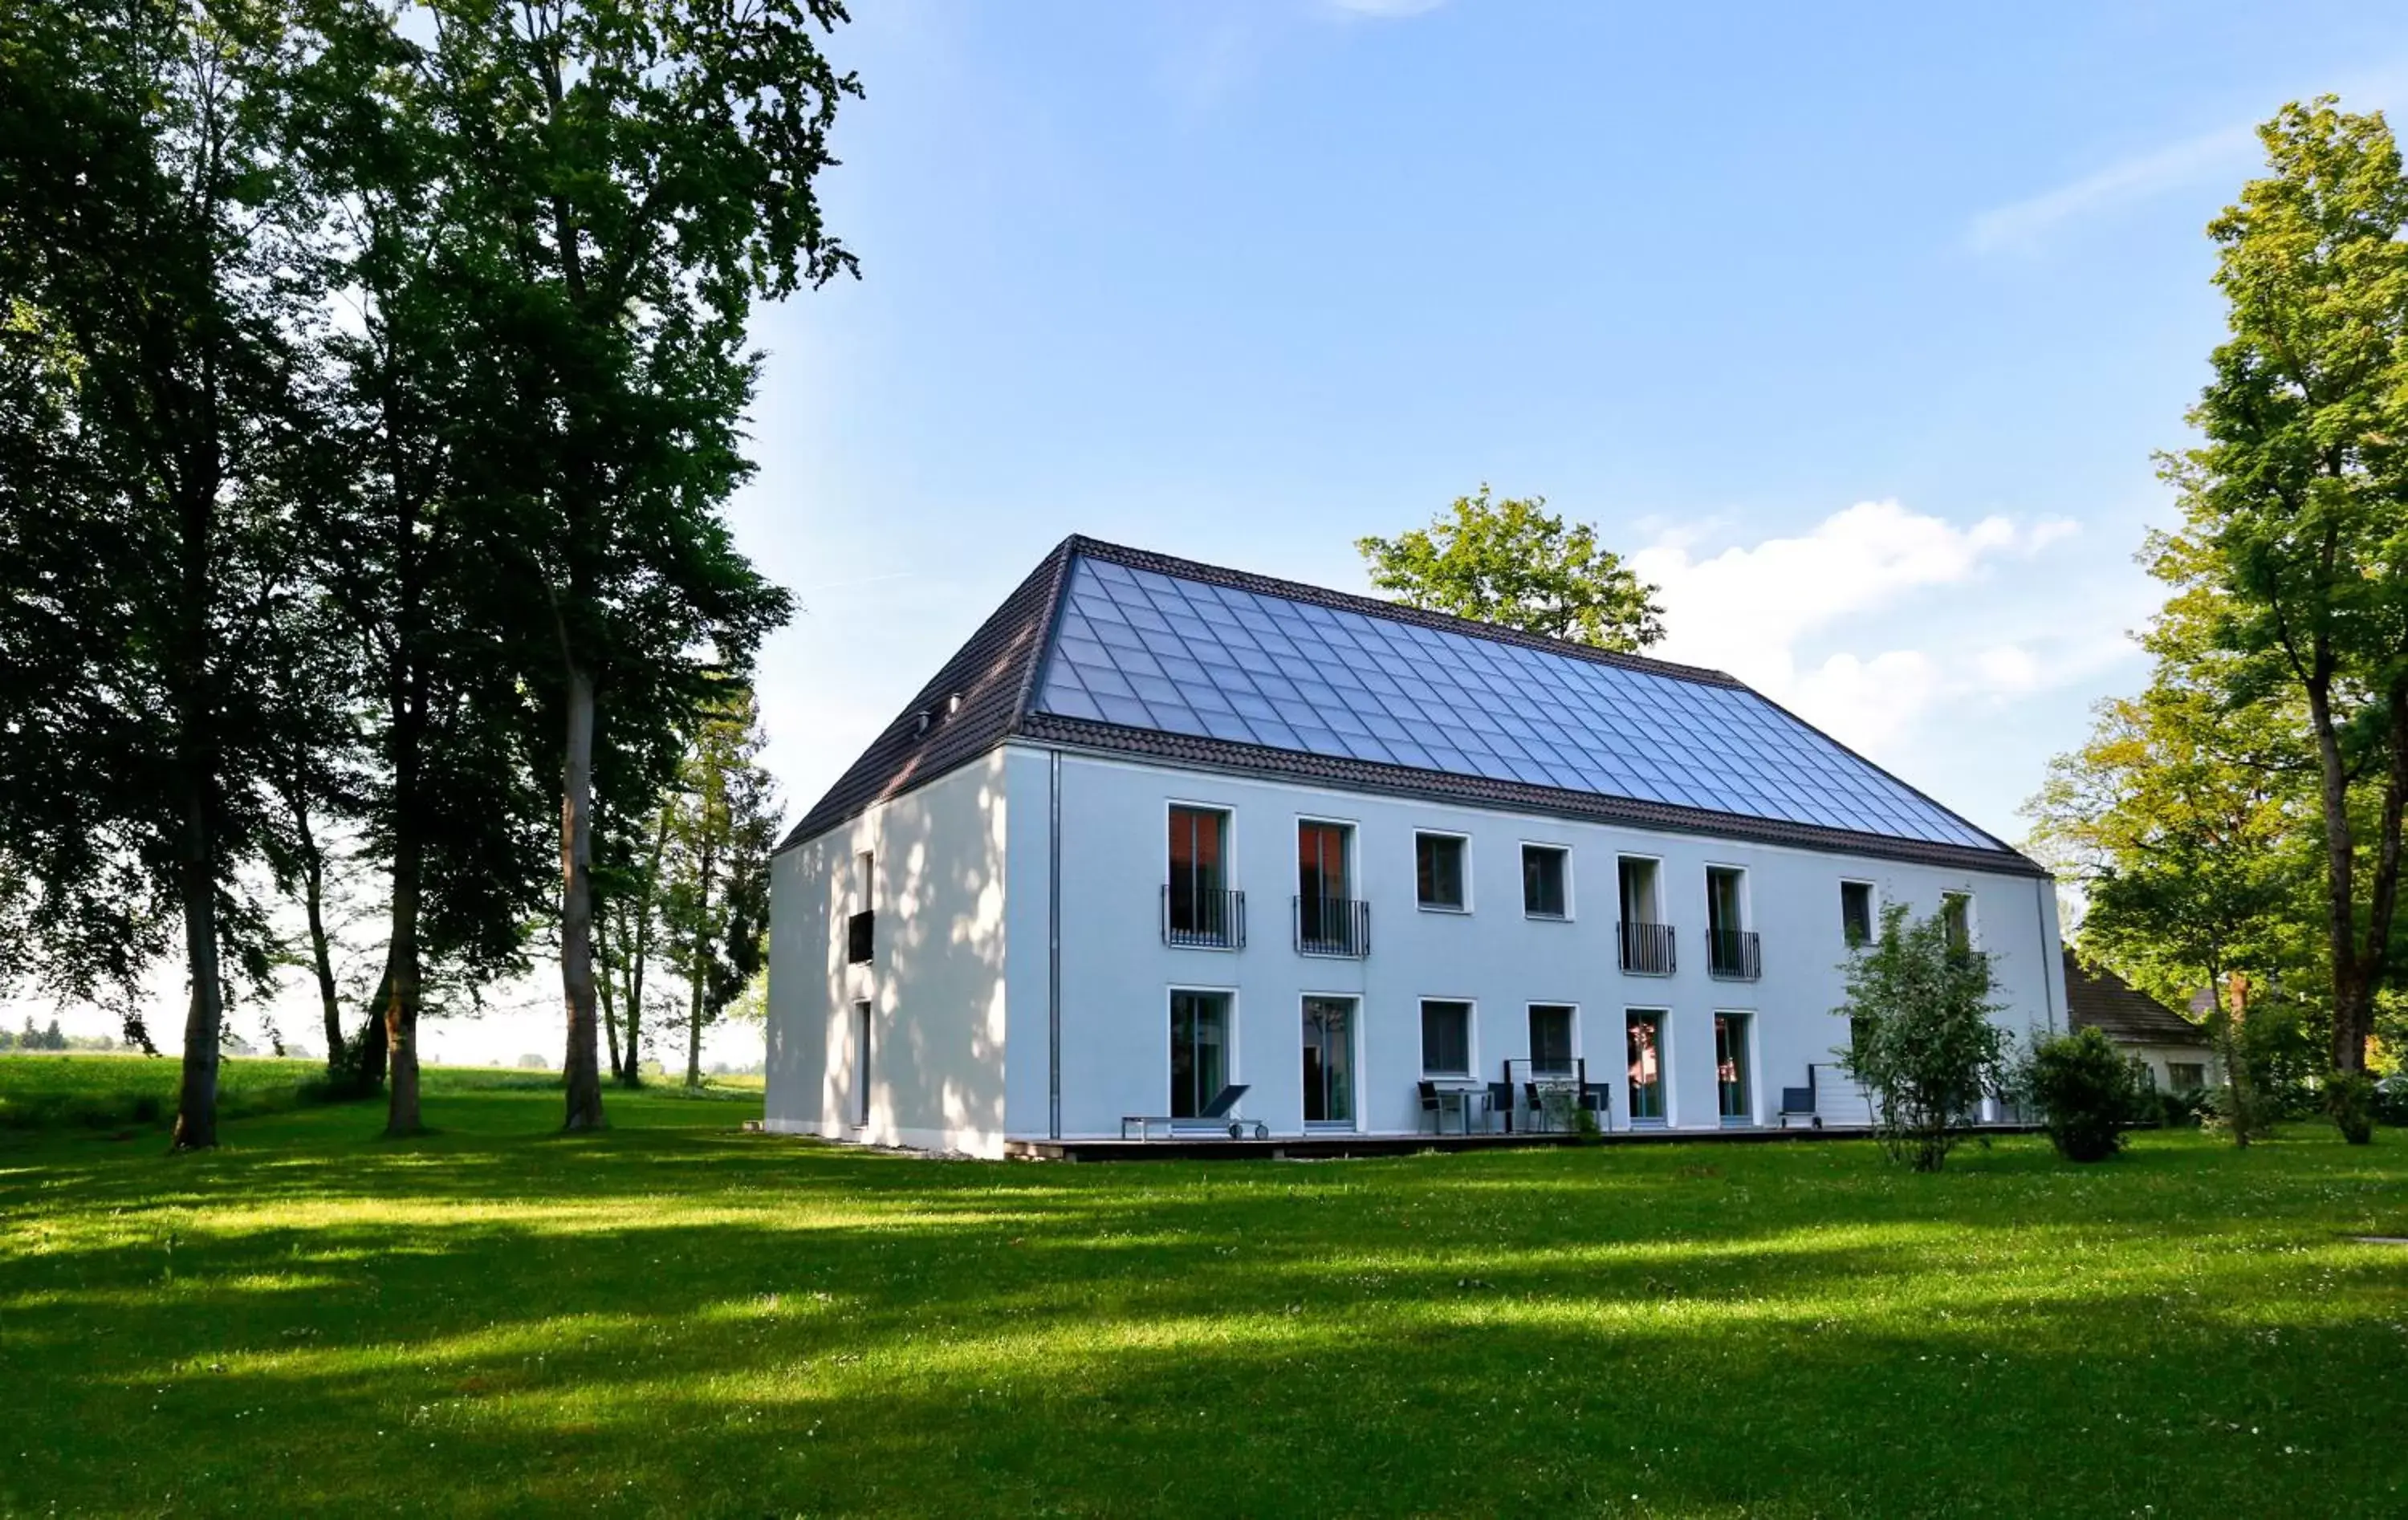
(2292, 560)
(724, 821)
(1922, 1045)
(2086, 1092)
(2390, 1100)
(1512, 562)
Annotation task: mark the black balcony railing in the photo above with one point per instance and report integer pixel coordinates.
(1198, 919)
(1333, 926)
(1647, 949)
(860, 937)
(1734, 954)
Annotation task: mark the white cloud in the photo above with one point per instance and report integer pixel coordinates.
(2020, 225)
(1767, 613)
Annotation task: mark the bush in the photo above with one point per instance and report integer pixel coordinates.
(1918, 1011)
(2349, 1102)
(2186, 1109)
(2087, 1093)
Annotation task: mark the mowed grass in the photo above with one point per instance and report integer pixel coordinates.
(676, 1317)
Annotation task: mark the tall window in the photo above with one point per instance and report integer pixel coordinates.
(1639, 896)
(1647, 939)
(1321, 861)
(1731, 947)
(1551, 1039)
(1730, 1067)
(1329, 1061)
(1645, 1039)
(1543, 868)
(861, 1059)
(1438, 871)
(1199, 1051)
(1856, 912)
(1199, 905)
(1446, 1038)
(865, 881)
(1957, 911)
(1328, 921)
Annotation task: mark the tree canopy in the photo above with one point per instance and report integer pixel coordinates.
(1514, 562)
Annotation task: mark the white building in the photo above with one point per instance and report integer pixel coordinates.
(1160, 827)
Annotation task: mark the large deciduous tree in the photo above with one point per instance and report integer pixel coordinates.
(1513, 562)
(2295, 540)
(723, 822)
(161, 300)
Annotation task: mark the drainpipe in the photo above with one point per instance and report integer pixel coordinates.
(1054, 945)
(2048, 998)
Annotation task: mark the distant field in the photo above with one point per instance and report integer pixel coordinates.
(675, 1317)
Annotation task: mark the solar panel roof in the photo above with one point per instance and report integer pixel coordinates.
(1141, 649)
(1118, 649)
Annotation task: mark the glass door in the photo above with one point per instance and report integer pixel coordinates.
(1329, 1061)
(1730, 1067)
(1646, 1068)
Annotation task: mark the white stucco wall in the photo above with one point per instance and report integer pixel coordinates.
(1117, 974)
(937, 1067)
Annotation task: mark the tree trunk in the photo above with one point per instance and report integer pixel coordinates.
(2341, 888)
(635, 1077)
(369, 1045)
(402, 978)
(701, 964)
(580, 1072)
(196, 1102)
(602, 969)
(693, 1031)
(313, 903)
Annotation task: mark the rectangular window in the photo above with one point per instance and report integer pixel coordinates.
(1730, 944)
(1321, 872)
(1199, 1051)
(1446, 1038)
(1544, 869)
(1645, 1039)
(1200, 908)
(1957, 911)
(1438, 871)
(1329, 920)
(861, 1024)
(2186, 1076)
(1551, 1039)
(1857, 913)
(865, 881)
(1730, 1067)
(1646, 940)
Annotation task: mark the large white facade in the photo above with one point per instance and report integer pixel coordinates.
(1019, 986)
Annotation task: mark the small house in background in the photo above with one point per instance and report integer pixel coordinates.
(2178, 1054)
(1169, 847)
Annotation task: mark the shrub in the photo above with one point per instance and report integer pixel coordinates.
(2186, 1109)
(2349, 1101)
(2087, 1093)
(1922, 1045)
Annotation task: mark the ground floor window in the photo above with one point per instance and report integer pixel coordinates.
(1730, 1067)
(1446, 1038)
(2186, 1076)
(1329, 1061)
(1551, 1039)
(861, 1062)
(1646, 1047)
(1199, 1050)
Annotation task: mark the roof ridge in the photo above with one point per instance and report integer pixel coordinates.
(1347, 601)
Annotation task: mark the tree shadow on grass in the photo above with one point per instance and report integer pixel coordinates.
(697, 1322)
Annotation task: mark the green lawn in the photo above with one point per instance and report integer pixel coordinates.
(677, 1317)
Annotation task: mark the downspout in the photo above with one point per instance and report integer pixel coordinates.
(1054, 945)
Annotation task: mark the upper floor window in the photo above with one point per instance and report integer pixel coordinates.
(1730, 944)
(1857, 913)
(1323, 858)
(1544, 867)
(865, 879)
(1197, 906)
(1957, 911)
(1439, 872)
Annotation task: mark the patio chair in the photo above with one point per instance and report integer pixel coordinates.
(1215, 1120)
(1430, 1104)
(1798, 1103)
(1499, 1100)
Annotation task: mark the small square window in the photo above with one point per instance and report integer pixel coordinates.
(1446, 1038)
(1543, 881)
(1438, 871)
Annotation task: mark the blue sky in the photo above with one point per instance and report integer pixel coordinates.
(1857, 334)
